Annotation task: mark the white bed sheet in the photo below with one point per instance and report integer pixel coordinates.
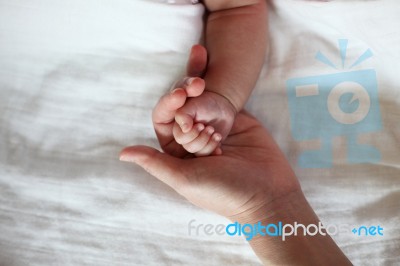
(78, 80)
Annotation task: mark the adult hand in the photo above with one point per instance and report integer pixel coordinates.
(251, 172)
(250, 182)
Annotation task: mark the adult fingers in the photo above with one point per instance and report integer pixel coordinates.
(197, 62)
(164, 111)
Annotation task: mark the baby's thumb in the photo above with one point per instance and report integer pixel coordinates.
(184, 120)
(158, 164)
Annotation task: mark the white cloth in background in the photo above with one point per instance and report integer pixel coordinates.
(78, 80)
(354, 194)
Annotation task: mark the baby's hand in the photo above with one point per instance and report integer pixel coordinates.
(203, 122)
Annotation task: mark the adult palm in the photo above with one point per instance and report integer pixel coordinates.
(251, 173)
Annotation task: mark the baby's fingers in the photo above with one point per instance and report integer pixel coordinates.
(212, 147)
(184, 138)
(185, 121)
(201, 142)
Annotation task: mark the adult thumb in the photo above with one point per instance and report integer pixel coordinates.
(197, 62)
(158, 164)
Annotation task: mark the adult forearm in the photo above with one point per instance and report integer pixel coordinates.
(236, 40)
(318, 249)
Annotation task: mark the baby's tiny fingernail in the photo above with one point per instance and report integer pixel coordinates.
(217, 137)
(185, 127)
(199, 127)
(210, 130)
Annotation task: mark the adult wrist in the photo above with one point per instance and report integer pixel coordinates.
(283, 206)
(275, 245)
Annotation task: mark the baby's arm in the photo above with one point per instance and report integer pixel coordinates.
(236, 43)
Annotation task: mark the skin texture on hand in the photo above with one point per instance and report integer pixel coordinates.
(224, 184)
(209, 109)
(248, 146)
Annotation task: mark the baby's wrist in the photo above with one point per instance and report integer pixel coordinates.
(224, 100)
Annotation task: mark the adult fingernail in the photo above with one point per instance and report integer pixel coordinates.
(174, 90)
(217, 137)
(123, 157)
